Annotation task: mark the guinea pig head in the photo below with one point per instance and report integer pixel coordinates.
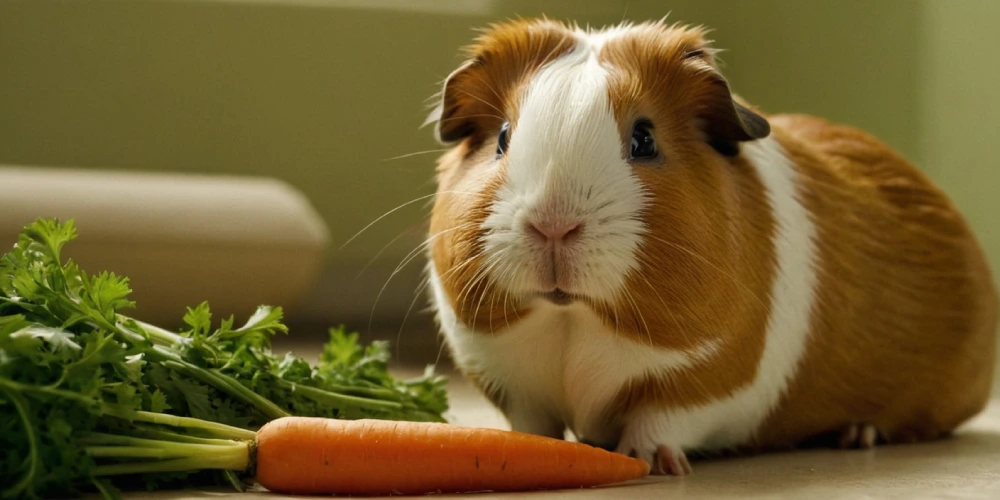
(590, 169)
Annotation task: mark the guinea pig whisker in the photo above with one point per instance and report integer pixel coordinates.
(608, 307)
(638, 312)
(680, 329)
(632, 303)
(441, 346)
(456, 268)
(460, 266)
(425, 281)
(515, 299)
(463, 295)
(477, 115)
(506, 294)
(421, 286)
(480, 99)
(468, 283)
(684, 307)
(506, 298)
(413, 253)
(514, 304)
(713, 266)
(386, 247)
(486, 83)
(403, 263)
(493, 296)
(497, 271)
(390, 212)
(479, 280)
(407, 155)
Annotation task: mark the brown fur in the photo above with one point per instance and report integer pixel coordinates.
(709, 243)
(905, 325)
(904, 328)
(483, 94)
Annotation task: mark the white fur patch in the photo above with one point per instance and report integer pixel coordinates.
(564, 162)
(733, 420)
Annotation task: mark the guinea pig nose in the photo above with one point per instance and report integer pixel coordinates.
(547, 230)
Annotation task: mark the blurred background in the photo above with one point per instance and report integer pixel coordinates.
(228, 149)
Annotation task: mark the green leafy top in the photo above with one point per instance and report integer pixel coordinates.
(73, 367)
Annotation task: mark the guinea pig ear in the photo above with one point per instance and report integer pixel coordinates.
(726, 121)
(475, 96)
(448, 126)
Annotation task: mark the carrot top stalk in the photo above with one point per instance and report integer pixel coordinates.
(302, 455)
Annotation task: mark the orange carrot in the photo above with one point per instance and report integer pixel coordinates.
(305, 455)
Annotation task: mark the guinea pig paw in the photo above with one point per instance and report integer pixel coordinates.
(863, 436)
(670, 462)
(663, 461)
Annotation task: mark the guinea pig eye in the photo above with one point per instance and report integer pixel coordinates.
(643, 143)
(502, 139)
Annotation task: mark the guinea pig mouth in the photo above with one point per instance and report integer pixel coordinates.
(559, 297)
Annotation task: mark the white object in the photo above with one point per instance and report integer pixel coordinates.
(236, 242)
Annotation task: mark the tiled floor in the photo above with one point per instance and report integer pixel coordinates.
(966, 466)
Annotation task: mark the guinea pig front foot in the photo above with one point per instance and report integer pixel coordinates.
(669, 462)
(648, 435)
(859, 436)
(663, 461)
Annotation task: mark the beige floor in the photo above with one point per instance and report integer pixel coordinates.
(966, 466)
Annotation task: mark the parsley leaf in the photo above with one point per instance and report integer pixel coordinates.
(86, 392)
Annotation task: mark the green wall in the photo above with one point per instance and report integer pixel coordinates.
(323, 97)
(959, 97)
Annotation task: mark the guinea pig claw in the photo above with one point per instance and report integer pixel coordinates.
(862, 436)
(868, 437)
(669, 462)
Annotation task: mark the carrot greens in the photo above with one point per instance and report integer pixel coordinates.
(93, 400)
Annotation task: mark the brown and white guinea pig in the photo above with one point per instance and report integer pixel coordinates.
(621, 248)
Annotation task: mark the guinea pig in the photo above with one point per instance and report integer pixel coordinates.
(623, 248)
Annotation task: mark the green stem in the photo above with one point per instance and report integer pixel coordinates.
(152, 433)
(214, 429)
(424, 416)
(135, 452)
(235, 460)
(230, 386)
(159, 335)
(372, 392)
(165, 440)
(17, 386)
(32, 459)
(130, 447)
(232, 455)
(338, 401)
(108, 491)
